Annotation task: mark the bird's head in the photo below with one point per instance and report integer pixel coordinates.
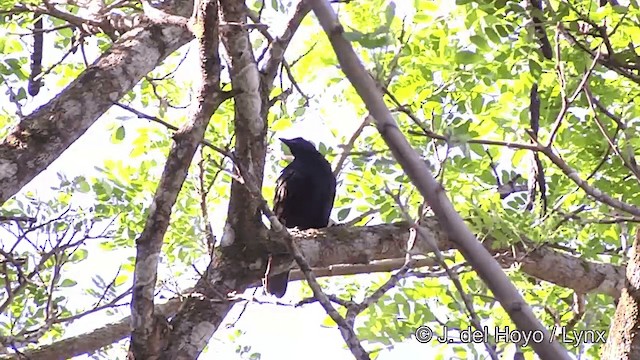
(300, 147)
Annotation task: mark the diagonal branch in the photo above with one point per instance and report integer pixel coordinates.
(608, 62)
(453, 276)
(277, 48)
(346, 149)
(488, 269)
(91, 341)
(594, 192)
(144, 345)
(42, 136)
(612, 145)
(567, 101)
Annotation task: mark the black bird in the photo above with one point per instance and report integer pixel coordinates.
(304, 198)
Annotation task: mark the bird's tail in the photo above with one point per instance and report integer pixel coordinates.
(275, 284)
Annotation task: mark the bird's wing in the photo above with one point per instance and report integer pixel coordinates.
(288, 197)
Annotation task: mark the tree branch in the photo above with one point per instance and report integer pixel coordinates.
(201, 315)
(92, 341)
(42, 136)
(277, 48)
(144, 343)
(421, 176)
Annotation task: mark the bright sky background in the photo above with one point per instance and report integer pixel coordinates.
(277, 332)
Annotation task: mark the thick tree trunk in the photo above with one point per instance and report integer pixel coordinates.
(623, 342)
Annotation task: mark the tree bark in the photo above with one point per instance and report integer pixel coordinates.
(203, 312)
(624, 342)
(150, 333)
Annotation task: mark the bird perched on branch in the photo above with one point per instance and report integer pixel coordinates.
(304, 198)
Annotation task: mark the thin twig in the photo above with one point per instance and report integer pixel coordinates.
(630, 165)
(346, 149)
(567, 101)
(590, 190)
(171, 127)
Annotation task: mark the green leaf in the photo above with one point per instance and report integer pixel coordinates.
(83, 185)
(68, 283)
(466, 57)
(518, 157)
(480, 42)
(118, 135)
(373, 41)
(492, 35)
(121, 279)
(343, 213)
(328, 322)
(476, 103)
(390, 12)
(79, 255)
(352, 36)
(535, 68)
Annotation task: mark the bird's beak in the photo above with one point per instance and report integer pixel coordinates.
(285, 141)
